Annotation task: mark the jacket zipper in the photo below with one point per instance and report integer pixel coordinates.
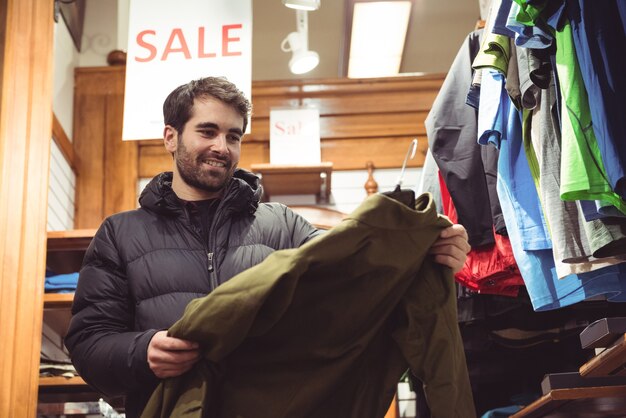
(211, 244)
(209, 253)
(210, 257)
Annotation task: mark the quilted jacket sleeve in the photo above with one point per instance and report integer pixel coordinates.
(301, 230)
(105, 351)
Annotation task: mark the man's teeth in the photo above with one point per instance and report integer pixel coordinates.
(215, 163)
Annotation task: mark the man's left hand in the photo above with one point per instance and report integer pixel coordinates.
(451, 247)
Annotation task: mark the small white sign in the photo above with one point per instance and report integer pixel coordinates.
(173, 42)
(295, 136)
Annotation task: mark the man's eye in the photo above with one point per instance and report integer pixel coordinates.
(234, 138)
(209, 134)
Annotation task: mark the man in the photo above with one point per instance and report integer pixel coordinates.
(197, 227)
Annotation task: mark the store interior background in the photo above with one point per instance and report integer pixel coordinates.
(436, 30)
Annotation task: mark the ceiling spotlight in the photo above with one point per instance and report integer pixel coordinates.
(302, 60)
(302, 4)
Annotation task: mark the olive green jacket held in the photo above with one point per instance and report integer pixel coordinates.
(327, 330)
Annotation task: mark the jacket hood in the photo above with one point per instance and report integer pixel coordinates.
(243, 194)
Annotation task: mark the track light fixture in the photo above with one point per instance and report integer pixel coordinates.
(302, 60)
(308, 5)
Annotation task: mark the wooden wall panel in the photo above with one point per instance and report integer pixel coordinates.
(261, 105)
(89, 128)
(106, 165)
(372, 126)
(120, 169)
(338, 96)
(384, 152)
(26, 33)
(362, 102)
(334, 86)
(369, 103)
(254, 152)
(153, 158)
(356, 126)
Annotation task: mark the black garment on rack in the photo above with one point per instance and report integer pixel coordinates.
(406, 196)
(467, 168)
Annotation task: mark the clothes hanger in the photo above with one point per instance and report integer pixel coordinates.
(406, 196)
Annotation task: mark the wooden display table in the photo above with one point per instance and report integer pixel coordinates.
(587, 402)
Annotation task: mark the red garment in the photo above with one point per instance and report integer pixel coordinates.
(490, 268)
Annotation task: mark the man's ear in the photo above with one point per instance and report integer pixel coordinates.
(170, 138)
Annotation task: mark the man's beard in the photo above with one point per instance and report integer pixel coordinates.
(190, 169)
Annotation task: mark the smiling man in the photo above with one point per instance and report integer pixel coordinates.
(197, 227)
(206, 148)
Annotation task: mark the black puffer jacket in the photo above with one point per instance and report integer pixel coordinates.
(145, 265)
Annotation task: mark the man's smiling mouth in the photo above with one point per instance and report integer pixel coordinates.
(214, 163)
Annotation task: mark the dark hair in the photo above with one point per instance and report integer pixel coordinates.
(179, 103)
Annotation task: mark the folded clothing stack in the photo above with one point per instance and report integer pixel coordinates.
(61, 283)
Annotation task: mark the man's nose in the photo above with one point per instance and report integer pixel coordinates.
(219, 144)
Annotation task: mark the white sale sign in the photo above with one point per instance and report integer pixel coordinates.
(173, 42)
(295, 136)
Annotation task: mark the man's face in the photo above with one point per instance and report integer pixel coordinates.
(207, 151)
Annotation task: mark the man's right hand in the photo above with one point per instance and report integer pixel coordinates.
(169, 356)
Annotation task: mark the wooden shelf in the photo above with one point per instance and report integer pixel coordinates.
(592, 402)
(57, 300)
(77, 239)
(587, 402)
(60, 381)
(58, 389)
(610, 362)
(66, 249)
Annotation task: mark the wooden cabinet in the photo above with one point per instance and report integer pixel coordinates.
(65, 252)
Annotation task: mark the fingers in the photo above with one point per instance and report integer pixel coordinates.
(174, 357)
(168, 356)
(455, 264)
(454, 235)
(451, 247)
(162, 341)
(457, 230)
(450, 255)
(164, 364)
(444, 245)
(164, 372)
(451, 250)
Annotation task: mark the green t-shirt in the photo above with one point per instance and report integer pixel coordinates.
(583, 176)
